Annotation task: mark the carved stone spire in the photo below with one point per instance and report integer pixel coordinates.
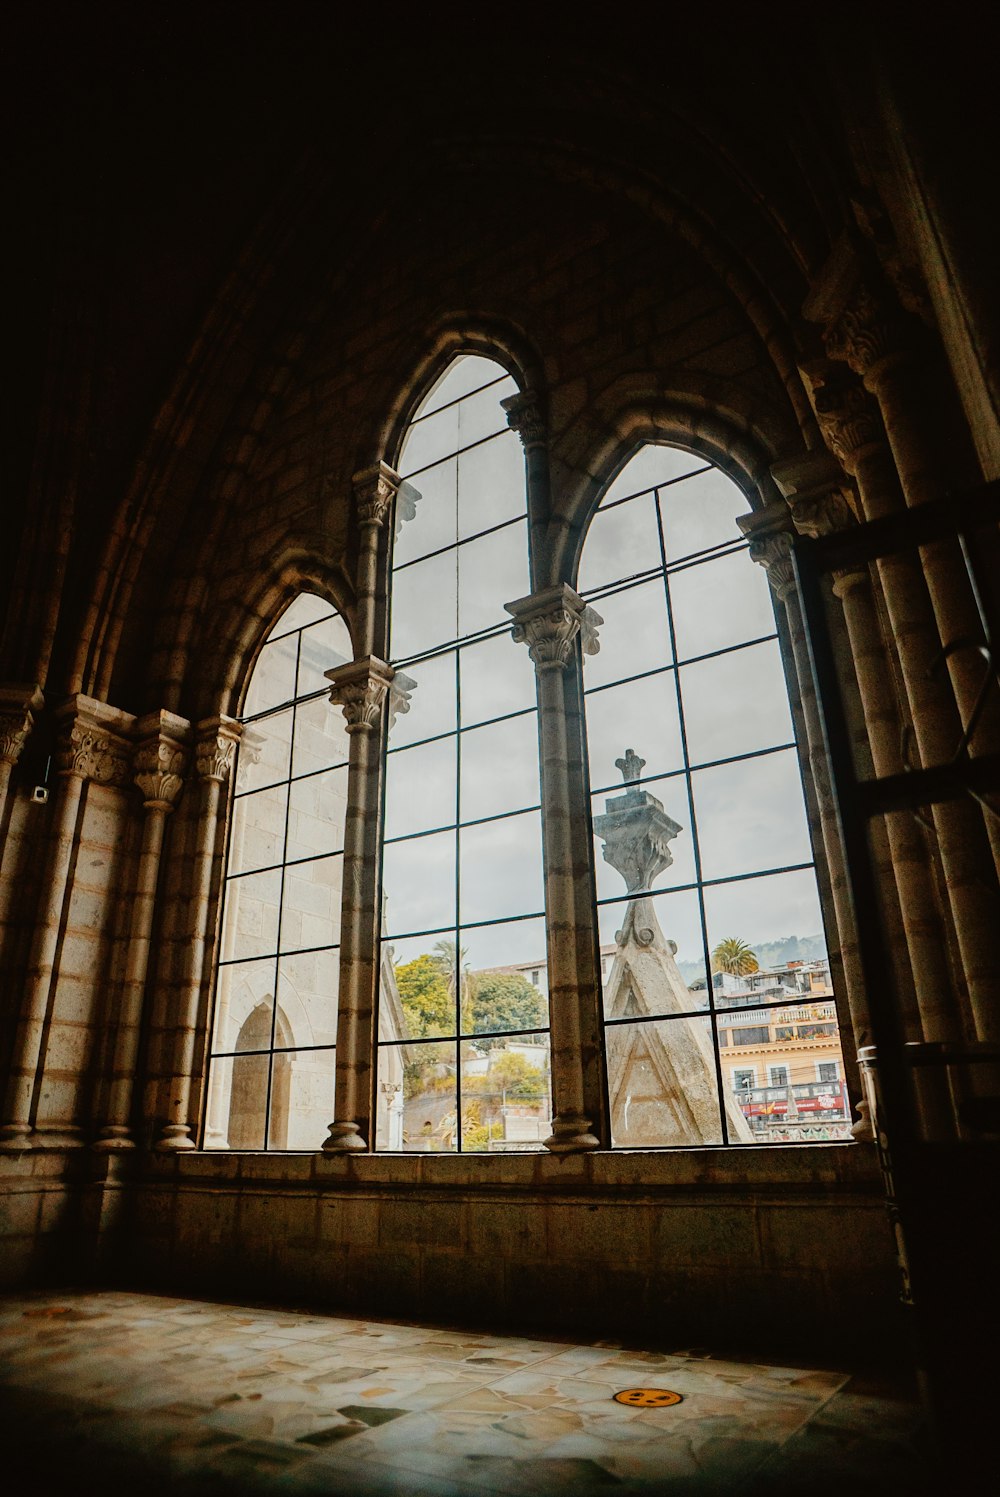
(635, 830)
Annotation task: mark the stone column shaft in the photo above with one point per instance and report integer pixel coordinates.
(375, 492)
(360, 688)
(216, 741)
(549, 622)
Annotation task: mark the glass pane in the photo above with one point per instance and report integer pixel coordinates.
(720, 603)
(316, 814)
(320, 737)
(506, 987)
(244, 1120)
(418, 987)
(662, 1086)
(652, 464)
(431, 707)
(310, 911)
(424, 606)
(434, 525)
(652, 958)
(613, 881)
(701, 512)
(418, 883)
(416, 1098)
(243, 1003)
(303, 610)
(429, 440)
(272, 680)
(264, 751)
(620, 543)
(307, 996)
(641, 715)
(500, 768)
(250, 921)
(302, 1091)
(421, 789)
(735, 704)
(491, 482)
(467, 372)
(481, 415)
(777, 920)
(258, 832)
(633, 637)
(497, 678)
(751, 816)
(492, 571)
(501, 868)
(323, 647)
(506, 1095)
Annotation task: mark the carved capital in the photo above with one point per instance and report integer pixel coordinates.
(773, 551)
(19, 706)
(217, 738)
(359, 688)
(374, 490)
(400, 691)
(251, 748)
(92, 741)
(849, 420)
(813, 489)
(862, 323)
(407, 499)
(160, 758)
(526, 416)
(548, 623)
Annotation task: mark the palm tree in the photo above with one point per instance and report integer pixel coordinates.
(734, 956)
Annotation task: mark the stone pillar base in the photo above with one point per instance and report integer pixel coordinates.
(57, 1136)
(344, 1138)
(175, 1136)
(113, 1137)
(571, 1135)
(15, 1138)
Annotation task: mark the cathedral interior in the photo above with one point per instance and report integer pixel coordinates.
(499, 749)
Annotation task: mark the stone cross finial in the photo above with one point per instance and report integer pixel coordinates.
(631, 766)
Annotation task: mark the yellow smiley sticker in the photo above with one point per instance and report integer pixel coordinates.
(648, 1398)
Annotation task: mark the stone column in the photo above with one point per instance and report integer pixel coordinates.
(548, 622)
(375, 489)
(770, 534)
(159, 765)
(88, 748)
(360, 689)
(526, 416)
(852, 429)
(215, 741)
(19, 707)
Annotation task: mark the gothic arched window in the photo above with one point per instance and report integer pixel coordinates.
(271, 1070)
(462, 1035)
(716, 993)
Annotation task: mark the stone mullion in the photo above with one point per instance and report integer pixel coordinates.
(854, 435)
(360, 689)
(159, 766)
(88, 749)
(549, 623)
(525, 415)
(216, 741)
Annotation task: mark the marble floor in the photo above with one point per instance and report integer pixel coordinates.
(135, 1392)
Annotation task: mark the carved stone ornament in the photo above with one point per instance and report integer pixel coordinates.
(359, 689)
(849, 420)
(408, 496)
(821, 513)
(635, 829)
(773, 551)
(159, 766)
(92, 753)
(548, 623)
(868, 334)
(374, 490)
(590, 622)
(251, 749)
(526, 417)
(19, 706)
(216, 747)
(400, 691)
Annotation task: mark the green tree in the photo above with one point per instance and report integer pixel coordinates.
(426, 997)
(504, 1000)
(512, 1075)
(734, 956)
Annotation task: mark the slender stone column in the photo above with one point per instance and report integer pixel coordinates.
(19, 706)
(215, 738)
(770, 534)
(88, 749)
(548, 622)
(375, 490)
(853, 430)
(526, 416)
(360, 689)
(160, 761)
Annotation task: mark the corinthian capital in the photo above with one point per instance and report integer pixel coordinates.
(548, 623)
(769, 532)
(813, 488)
(19, 706)
(93, 741)
(374, 490)
(849, 419)
(526, 416)
(359, 689)
(869, 334)
(161, 758)
(215, 747)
